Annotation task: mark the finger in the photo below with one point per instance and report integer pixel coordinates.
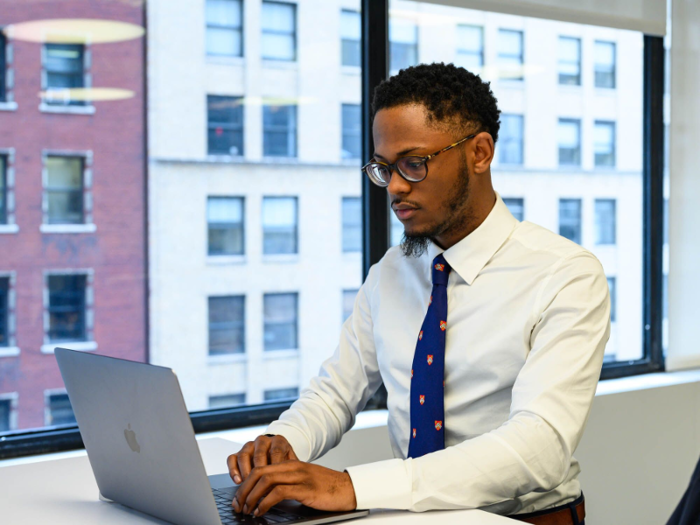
(232, 462)
(262, 448)
(245, 463)
(279, 450)
(240, 499)
(277, 494)
(266, 483)
(292, 455)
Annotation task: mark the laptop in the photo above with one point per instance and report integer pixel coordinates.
(142, 449)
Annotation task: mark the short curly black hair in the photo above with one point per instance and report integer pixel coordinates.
(452, 95)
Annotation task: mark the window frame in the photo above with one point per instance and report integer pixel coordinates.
(226, 126)
(239, 29)
(376, 241)
(3, 66)
(235, 324)
(226, 225)
(520, 56)
(291, 130)
(86, 58)
(294, 34)
(614, 65)
(461, 51)
(296, 225)
(87, 203)
(577, 62)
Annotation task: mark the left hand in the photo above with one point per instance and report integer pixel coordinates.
(312, 485)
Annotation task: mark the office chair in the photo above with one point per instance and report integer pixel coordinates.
(688, 510)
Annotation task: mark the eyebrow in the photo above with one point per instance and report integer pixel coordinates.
(400, 153)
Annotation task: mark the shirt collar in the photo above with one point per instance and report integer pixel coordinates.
(470, 255)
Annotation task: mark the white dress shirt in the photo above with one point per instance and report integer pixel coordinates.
(528, 319)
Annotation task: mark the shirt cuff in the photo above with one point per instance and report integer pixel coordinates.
(299, 442)
(383, 485)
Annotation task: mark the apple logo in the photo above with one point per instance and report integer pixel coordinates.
(130, 436)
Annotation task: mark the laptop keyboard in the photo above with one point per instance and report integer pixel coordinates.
(229, 516)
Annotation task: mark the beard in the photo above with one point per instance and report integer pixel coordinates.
(416, 244)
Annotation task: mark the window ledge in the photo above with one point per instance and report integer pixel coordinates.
(279, 64)
(281, 160)
(9, 228)
(225, 60)
(646, 382)
(9, 351)
(71, 110)
(280, 354)
(68, 228)
(227, 358)
(218, 260)
(8, 106)
(225, 159)
(605, 91)
(351, 70)
(82, 346)
(281, 258)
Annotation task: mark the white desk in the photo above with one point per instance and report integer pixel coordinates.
(63, 491)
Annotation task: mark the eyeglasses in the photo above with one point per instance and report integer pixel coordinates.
(413, 169)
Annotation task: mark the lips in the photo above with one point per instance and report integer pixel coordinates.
(405, 213)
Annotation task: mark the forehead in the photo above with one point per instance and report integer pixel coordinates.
(407, 126)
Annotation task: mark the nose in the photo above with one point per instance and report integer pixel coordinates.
(397, 184)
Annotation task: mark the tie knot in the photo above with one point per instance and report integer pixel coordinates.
(441, 270)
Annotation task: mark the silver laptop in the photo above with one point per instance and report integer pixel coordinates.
(141, 445)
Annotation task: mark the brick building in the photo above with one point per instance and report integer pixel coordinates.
(72, 201)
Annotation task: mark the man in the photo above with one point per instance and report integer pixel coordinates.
(488, 333)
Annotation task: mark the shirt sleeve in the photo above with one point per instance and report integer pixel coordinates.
(551, 402)
(326, 409)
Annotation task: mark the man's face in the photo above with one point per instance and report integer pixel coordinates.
(440, 202)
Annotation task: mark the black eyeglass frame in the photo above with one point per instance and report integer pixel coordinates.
(397, 167)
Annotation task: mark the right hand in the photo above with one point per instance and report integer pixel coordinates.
(265, 450)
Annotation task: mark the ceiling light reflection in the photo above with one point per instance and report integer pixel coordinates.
(73, 31)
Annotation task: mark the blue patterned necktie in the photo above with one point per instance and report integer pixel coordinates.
(428, 372)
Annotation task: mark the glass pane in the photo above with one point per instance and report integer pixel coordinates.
(280, 311)
(65, 207)
(350, 25)
(225, 401)
(226, 325)
(278, 17)
(352, 224)
(4, 415)
(60, 410)
(349, 297)
(64, 172)
(605, 221)
(224, 12)
(516, 206)
(3, 190)
(278, 46)
(224, 41)
(282, 393)
(67, 307)
(470, 38)
(4, 311)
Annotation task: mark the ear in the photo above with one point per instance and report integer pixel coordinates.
(483, 151)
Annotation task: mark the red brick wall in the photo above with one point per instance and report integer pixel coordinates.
(116, 251)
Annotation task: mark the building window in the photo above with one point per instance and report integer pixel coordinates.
(8, 412)
(350, 35)
(4, 311)
(225, 225)
(348, 303)
(352, 224)
(604, 136)
(281, 393)
(3, 67)
(569, 61)
(511, 136)
(279, 31)
(403, 39)
(279, 220)
(224, 125)
(569, 142)
(280, 131)
(605, 64)
(470, 48)
(64, 190)
(226, 325)
(612, 283)
(352, 131)
(510, 54)
(516, 206)
(280, 312)
(224, 27)
(3, 189)
(226, 401)
(570, 219)
(605, 221)
(59, 410)
(64, 69)
(67, 308)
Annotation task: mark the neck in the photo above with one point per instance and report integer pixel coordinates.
(475, 214)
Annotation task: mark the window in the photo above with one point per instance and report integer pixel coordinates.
(604, 135)
(569, 136)
(226, 325)
(64, 190)
(348, 302)
(516, 207)
(279, 31)
(281, 393)
(570, 219)
(352, 224)
(352, 131)
(4, 311)
(605, 223)
(67, 308)
(403, 36)
(280, 312)
(3, 68)
(5, 411)
(59, 410)
(569, 61)
(350, 34)
(612, 283)
(64, 69)
(510, 54)
(225, 223)
(280, 225)
(280, 128)
(224, 27)
(605, 64)
(225, 401)
(511, 139)
(225, 125)
(3, 189)
(470, 48)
